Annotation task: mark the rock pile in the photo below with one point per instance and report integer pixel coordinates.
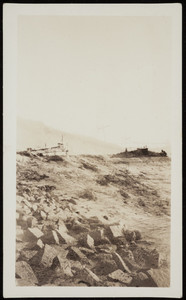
(57, 247)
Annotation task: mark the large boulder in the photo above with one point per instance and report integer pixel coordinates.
(27, 203)
(25, 272)
(146, 258)
(89, 277)
(62, 265)
(126, 253)
(61, 226)
(87, 241)
(27, 254)
(35, 245)
(64, 237)
(75, 265)
(22, 221)
(120, 263)
(23, 282)
(99, 236)
(51, 237)
(48, 254)
(19, 234)
(142, 279)
(32, 234)
(132, 265)
(43, 215)
(76, 254)
(121, 276)
(31, 222)
(114, 232)
(105, 264)
(161, 277)
(78, 227)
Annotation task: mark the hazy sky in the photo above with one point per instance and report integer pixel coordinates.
(106, 77)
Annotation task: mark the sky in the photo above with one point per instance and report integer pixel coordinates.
(106, 77)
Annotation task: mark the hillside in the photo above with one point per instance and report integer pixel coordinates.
(93, 221)
(35, 134)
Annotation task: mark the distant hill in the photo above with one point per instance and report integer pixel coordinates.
(35, 134)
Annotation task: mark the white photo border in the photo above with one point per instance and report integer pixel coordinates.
(11, 12)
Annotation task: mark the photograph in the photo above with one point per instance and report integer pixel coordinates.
(94, 147)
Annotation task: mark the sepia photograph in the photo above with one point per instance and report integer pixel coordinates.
(96, 131)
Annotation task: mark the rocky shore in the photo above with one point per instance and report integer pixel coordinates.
(58, 245)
